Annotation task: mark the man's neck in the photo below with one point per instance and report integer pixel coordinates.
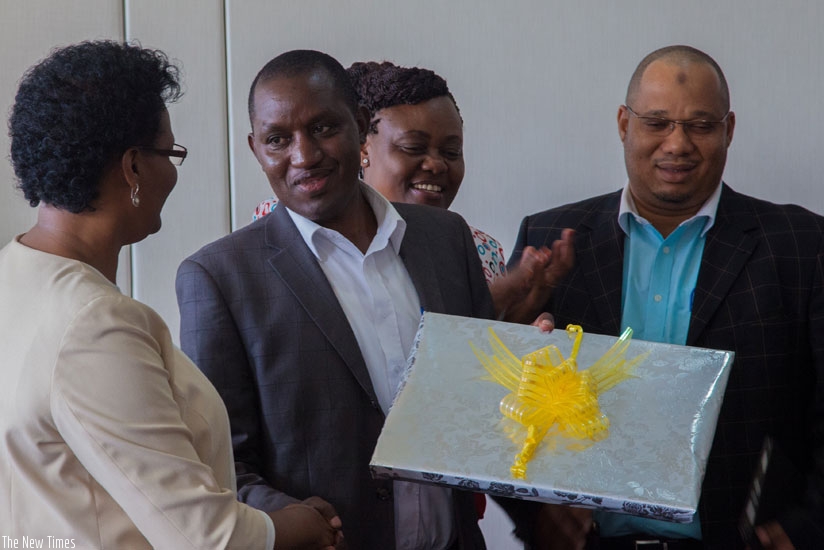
(359, 224)
(665, 224)
(664, 220)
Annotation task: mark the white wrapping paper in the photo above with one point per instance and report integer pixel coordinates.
(445, 425)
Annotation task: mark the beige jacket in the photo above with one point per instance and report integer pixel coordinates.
(111, 437)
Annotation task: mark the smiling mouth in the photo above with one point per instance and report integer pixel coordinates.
(675, 172)
(312, 181)
(428, 187)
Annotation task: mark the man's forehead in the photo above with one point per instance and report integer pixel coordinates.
(676, 72)
(303, 90)
(296, 93)
(696, 82)
(316, 79)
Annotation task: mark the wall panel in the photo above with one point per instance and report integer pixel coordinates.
(197, 211)
(539, 84)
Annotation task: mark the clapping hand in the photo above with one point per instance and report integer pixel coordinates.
(523, 292)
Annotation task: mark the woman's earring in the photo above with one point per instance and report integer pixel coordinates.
(364, 163)
(135, 198)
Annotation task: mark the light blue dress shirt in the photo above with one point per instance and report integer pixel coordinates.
(659, 281)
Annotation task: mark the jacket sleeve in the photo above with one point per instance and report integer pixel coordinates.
(210, 336)
(805, 523)
(114, 403)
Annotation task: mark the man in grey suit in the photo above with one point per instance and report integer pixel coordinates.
(303, 319)
(681, 257)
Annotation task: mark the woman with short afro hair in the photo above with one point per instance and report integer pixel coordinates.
(64, 130)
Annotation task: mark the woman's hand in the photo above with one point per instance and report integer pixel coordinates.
(523, 292)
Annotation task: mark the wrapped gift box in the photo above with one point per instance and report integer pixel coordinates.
(445, 425)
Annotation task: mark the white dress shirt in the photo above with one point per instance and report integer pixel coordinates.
(379, 300)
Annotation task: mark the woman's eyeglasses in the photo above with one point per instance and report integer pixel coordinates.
(177, 154)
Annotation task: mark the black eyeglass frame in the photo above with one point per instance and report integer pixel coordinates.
(689, 126)
(179, 153)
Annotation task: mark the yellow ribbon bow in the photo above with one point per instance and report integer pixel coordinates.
(548, 394)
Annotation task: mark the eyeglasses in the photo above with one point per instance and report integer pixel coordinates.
(177, 154)
(662, 127)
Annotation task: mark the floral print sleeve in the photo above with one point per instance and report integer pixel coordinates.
(491, 253)
(264, 208)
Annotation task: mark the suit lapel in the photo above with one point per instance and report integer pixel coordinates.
(421, 266)
(726, 252)
(299, 270)
(599, 252)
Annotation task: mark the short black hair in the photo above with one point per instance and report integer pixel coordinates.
(383, 85)
(80, 109)
(300, 62)
(678, 54)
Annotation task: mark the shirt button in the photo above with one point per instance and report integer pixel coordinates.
(658, 298)
(666, 250)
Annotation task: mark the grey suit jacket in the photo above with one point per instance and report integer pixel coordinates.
(259, 317)
(760, 293)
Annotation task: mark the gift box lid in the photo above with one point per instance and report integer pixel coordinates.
(445, 425)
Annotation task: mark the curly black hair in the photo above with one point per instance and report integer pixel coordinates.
(383, 85)
(79, 110)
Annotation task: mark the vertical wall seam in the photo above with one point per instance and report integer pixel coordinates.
(125, 18)
(231, 188)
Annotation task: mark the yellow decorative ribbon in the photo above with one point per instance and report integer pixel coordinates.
(550, 396)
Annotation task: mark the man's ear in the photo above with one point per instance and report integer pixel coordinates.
(250, 140)
(623, 122)
(730, 127)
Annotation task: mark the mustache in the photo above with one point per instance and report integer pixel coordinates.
(314, 173)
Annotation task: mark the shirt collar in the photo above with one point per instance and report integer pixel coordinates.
(707, 210)
(391, 226)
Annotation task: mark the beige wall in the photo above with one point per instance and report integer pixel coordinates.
(538, 84)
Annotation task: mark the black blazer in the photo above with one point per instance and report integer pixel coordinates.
(760, 293)
(259, 317)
